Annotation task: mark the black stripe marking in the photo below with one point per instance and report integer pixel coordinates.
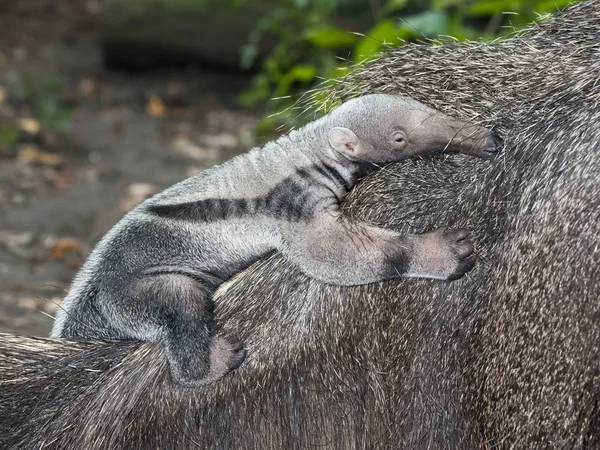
(336, 175)
(292, 200)
(209, 210)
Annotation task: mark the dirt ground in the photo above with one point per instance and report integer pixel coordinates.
(130, 136)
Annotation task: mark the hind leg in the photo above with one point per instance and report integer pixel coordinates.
(177, 310)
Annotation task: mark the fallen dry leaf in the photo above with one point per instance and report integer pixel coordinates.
(17, 322)
(32, 304)
(40, 304)
(63, 247)
(59, 180)
(88, 87)
(156, 107)
(186, 147)
(136, 193)
(220, 140)
(31, 154)
(18, 243)
(52, 305)
(63, 181)
(193, 170)
(31, 126)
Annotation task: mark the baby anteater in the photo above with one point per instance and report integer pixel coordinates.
(153, 275)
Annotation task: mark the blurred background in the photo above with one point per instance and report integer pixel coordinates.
(104, 103)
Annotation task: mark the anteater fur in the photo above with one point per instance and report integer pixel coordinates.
(507, 357)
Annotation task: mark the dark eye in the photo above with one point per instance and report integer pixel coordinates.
(399, 140)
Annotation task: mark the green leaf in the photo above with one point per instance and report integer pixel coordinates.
(445, 4)
(27, 86)
(393, 5)
(61, 122)
(300, 3)
(52, 84)
(52, 115)
(385, 32)
(493, 7)
(457, 29)
(429, 23)
(330, 37)
(259, 91)
(9, 134)
(298, 74)
(551, 6)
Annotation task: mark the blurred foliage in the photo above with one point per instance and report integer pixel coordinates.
(38, 98)
(41, 93)
(9, 134)
(173, 8)
(316, 40)
(313, 44)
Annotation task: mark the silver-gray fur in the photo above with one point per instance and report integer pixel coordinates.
(506, 357)
(153, 275)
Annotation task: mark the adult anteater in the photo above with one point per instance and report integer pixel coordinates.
(506, 357)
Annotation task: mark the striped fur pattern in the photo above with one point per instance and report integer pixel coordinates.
(153, 275)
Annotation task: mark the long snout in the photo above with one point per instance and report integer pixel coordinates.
(470, 139)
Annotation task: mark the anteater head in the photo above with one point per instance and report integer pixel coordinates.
(384, 128)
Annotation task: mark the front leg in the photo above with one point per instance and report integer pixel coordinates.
(337, 252)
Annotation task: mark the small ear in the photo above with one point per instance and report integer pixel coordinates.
(343, 140)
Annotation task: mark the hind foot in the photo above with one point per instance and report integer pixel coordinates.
(192, 367)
